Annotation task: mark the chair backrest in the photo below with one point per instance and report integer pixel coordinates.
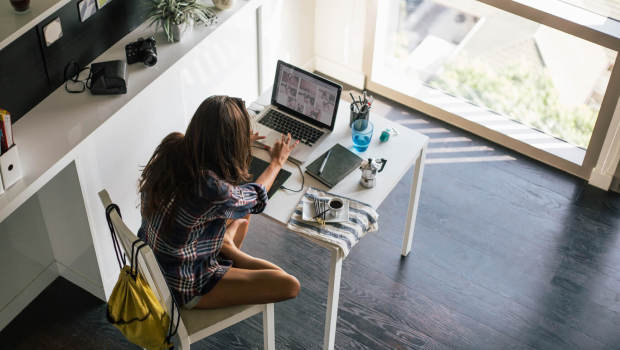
(148, 266)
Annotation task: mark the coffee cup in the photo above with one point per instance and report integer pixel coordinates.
(335, 206)
(20, 6)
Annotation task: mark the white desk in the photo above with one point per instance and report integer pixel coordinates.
(402, 152)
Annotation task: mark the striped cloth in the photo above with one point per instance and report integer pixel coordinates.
(345, 235)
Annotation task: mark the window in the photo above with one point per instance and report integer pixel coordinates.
(511, 76)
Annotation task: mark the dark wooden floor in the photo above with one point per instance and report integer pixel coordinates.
(507, 254)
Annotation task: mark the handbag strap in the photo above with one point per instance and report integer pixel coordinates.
(171, 333)
(117, 248)
(135, 248)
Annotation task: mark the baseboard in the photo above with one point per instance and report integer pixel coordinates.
(340, 72)
(80, 280)
(30, 292)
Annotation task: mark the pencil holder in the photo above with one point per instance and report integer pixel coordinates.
(358, 112)
(10, 168)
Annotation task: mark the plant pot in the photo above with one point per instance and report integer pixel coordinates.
(20, 6)
(177, 30)
(223, 4)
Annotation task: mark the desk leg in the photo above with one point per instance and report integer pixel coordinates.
(414, 196)
(333, 293)
(269, 333)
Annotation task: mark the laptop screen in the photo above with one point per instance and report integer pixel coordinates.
(306, 95)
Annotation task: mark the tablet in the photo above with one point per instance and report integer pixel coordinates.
(258, 166)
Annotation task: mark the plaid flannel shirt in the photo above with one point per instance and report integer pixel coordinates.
(188, 256)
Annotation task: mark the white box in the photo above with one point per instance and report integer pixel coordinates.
(1, 186)
(10, 167)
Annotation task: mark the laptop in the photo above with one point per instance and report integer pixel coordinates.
(303, 104)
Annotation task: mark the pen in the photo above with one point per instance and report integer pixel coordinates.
(354, 103)
(321, 213)
(324, 162)
(316, 207)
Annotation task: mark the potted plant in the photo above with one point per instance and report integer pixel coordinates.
(174, 16)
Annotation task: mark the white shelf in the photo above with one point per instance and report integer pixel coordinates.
(50, 134)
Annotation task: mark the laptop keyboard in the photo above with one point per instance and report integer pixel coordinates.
(282, 123)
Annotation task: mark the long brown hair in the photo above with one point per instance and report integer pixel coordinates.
(217, 139)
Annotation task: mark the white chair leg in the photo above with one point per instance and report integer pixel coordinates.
(269, 334)
(185, 344)
(182, 338)
(333, 292)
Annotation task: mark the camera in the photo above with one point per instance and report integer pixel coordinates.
(143, 50)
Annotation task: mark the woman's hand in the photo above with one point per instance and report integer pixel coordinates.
(279, 153)
(254, 136)
(282, 149)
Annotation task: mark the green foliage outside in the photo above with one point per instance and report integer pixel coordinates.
(521, 92)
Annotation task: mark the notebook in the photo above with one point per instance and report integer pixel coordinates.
(341, 162)
(258, 166)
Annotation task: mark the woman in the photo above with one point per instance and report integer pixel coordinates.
(196, 210)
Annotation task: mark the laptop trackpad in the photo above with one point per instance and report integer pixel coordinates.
(270, 138)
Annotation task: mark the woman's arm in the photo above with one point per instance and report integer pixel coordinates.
(279, 153)
(235, 202)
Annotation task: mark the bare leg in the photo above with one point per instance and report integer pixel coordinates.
(243, 260)
(241, 287)
(235, 233)
(237, 229)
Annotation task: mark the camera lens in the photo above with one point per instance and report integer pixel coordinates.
(150, 57)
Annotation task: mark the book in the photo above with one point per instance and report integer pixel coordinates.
(341, 162)
(7, 134)
(258, 166)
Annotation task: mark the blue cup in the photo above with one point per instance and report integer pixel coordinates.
(362, 134)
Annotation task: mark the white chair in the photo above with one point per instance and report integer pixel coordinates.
(194, 325)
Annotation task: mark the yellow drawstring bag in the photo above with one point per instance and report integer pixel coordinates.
(136, 312)
(133, 307)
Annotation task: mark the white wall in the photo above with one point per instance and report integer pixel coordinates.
(287, 33)
(26, 259)
(62, 207)
(339, 41)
